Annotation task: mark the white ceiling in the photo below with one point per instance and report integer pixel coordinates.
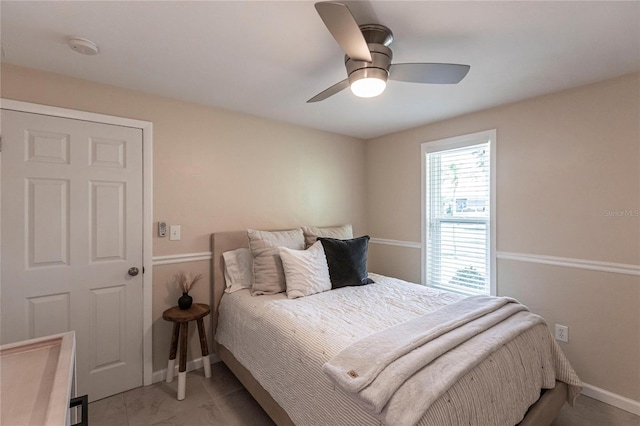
(267, 58)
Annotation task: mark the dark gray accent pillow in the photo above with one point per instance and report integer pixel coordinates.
(347, 260)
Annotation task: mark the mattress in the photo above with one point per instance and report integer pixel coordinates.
(285, 342)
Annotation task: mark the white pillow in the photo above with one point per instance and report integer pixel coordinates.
(311, 233)
(268, 276)
(306, 271)
(237, 269)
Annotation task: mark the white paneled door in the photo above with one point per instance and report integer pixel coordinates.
(72, 242)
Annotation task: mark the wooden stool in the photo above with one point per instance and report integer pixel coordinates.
(180, 319)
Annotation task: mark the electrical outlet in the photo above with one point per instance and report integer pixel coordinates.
(562, 333)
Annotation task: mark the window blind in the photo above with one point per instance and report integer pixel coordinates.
(458, 218)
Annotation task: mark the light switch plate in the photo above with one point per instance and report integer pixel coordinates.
(174, 233)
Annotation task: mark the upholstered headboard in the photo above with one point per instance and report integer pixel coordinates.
(221, 242)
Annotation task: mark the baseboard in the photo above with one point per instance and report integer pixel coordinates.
(194, 364)
(611, 398)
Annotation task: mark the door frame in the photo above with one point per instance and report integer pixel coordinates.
(147, 206)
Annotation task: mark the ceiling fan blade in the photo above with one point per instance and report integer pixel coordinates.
(330, 91)
(428, 73)
(344, 28)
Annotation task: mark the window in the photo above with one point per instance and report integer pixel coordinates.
(458, 176)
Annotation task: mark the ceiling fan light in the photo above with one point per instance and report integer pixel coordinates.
(368, 87)
(368, 82)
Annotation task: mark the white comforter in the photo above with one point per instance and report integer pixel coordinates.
(285, 343)
(399, 372)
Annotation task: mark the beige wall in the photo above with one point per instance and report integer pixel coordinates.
(563, 161)
(216, 170)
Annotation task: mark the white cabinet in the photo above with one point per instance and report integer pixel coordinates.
(37, 380)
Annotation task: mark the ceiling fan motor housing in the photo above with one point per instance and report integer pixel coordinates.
(376, 33)
(378, 37)
(378, 67)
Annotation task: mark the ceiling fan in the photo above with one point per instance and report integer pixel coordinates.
(368, 57)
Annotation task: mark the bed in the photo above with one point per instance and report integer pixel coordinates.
(292, 388)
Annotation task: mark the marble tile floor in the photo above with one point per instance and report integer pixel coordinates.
(591, 412)
(222, 400)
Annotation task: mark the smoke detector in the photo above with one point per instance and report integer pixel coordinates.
(83, 46)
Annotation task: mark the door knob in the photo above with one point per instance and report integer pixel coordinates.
(133, 271)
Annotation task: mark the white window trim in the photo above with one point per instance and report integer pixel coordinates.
(452, 143)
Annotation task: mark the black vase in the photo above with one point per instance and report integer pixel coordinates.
(185, 301)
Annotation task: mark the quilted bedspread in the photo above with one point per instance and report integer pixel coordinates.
(286, 342)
